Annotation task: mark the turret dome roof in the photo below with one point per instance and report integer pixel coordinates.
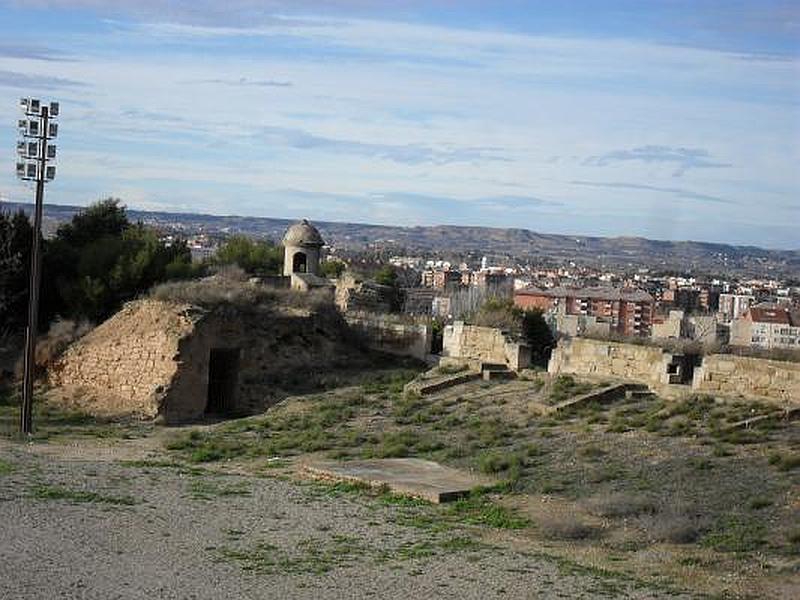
(302, 234)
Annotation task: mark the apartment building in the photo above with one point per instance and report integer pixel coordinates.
(767, 326)
(628, 311)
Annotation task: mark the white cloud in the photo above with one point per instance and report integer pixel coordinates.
(422, 111)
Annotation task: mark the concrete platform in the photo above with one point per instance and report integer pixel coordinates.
(407, 476)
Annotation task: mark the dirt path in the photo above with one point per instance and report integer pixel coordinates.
(118, 520)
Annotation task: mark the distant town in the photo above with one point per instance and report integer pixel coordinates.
(634, 295)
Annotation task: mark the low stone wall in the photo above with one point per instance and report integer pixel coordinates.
(426, 387)
(484, 344)
(583, 356)
(394, 334)
(740, 375)
(353, 296)
(718, 374)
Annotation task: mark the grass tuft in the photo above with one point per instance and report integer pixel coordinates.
(49, 492)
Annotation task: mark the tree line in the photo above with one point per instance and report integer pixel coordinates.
(100, 259)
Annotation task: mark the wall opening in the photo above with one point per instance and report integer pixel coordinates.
(223, 379)
(299, 263)
(692, 361)
(681, 369)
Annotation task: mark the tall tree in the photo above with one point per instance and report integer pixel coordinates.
(100, 259)
(255, 257)
(16, 235)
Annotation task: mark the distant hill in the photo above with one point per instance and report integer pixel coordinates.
(515, 244)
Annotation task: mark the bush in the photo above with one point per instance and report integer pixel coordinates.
(16, 235)
(499, 313)
(254, 257)
(51, 345)
(332, 269)
(675, 529)
(493, 462)
(567, 528)
(785, 461)
(100, 260)
(734, 533)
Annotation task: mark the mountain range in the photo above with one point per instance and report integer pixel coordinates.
(505, 244)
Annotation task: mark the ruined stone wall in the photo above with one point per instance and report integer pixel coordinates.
(354, 296)
(583, 356)
(127, 364)
(394, 334)
(484, 344)
(740, 375)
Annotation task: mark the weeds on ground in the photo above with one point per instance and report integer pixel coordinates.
(565, 387)
(179, 467)
(400, 444)
(317, 556)
(477, 509)
(735, 533)
(208, 489)
(52, 492)
(392, 383)
(567, 528)
(621, 505)
(785, 461)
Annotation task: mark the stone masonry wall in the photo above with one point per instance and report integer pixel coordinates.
(394, 334)
(152, 358)
(738, 375)
(127, 363)
(718, 374)
(583, 356)
(485, 345)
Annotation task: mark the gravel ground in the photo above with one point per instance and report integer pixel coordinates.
(89, 528)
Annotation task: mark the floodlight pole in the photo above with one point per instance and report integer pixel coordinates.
(26, 413)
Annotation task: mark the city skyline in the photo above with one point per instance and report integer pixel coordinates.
(676, 122)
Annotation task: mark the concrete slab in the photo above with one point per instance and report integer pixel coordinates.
(407, 476)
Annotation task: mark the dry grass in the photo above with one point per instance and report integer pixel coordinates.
(618, 505)
(230, 290)
(50, 346)
(568, 528)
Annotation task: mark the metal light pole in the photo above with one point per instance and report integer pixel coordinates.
(37, 130)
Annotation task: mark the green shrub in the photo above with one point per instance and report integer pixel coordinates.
(784, 461)
(735, 534)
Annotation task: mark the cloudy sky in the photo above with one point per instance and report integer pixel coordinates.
(673, 119)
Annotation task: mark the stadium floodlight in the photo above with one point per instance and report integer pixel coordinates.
(35, 155)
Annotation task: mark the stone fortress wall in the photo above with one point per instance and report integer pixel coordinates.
(393, 334)
(126, 364)
(585, 356)
(471, 343)
(730, 375)
(718, 374)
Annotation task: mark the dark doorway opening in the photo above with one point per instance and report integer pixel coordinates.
(681, 370)
(691, 362)
(223, 377)
(299, 262)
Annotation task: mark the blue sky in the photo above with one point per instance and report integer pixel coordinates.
(672, 120)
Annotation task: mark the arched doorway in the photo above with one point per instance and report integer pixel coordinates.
(299, 263)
